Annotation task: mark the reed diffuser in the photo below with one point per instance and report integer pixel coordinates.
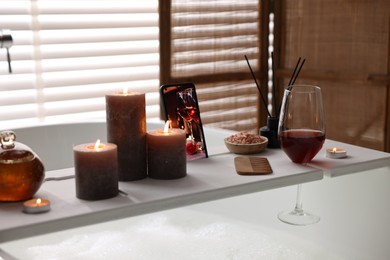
(271, 129)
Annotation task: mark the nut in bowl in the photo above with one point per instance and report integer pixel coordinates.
(246, 143)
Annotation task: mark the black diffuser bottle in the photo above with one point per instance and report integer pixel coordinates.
(271, 132)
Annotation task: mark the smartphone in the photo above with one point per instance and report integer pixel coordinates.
(180, 106)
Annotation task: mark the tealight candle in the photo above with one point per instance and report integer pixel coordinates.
(36, 206)
(96, 171)
(336, 153)
(126, 127)
(166, 153)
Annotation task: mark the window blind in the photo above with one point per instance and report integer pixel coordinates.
(67, 55)
(207, 44)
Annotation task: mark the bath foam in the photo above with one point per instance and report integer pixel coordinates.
(175, 234)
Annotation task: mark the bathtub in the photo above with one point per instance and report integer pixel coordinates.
(354, 211)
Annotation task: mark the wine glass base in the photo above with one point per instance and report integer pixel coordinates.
(298, 217)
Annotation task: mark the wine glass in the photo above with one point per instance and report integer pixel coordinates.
(187, 109)
(301, 134)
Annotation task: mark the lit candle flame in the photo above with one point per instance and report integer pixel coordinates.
(125, 90)
(334, 149)
(39, 201)
(97, 145)
(166, 127)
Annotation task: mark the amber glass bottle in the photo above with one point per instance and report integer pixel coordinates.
(21, 170)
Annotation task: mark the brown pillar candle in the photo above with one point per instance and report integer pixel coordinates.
(167, 153)
(126, 127)
(96, 169)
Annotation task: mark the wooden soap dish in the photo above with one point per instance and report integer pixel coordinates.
(249, 165)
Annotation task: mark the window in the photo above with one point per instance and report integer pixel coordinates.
(66, 55)
(346, 46)
(205, 42)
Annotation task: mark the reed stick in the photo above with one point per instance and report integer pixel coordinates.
(258, 87)
(295, 74)
(276, 113)
(299, 70)
(295, 70)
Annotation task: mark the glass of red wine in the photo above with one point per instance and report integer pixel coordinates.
(301, 135)
(187, 109)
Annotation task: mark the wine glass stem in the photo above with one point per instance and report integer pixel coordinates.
(298, 206)
(189, 124)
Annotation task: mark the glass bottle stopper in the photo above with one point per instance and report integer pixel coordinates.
(7, 139)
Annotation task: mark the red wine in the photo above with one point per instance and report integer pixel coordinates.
(301, 145)
(189, 113)
(193, 113)
(183, 112)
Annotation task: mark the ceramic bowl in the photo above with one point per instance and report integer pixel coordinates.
(247, 148)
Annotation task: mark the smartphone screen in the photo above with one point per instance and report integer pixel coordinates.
(181, 107)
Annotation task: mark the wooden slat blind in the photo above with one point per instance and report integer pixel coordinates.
(67, 55)
(346, 46)
(205, 42)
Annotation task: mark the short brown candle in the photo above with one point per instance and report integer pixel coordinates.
(167, 154)
(96, 169)
(126, 127)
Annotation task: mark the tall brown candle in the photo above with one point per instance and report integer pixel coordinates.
(96, 171)
(126, 127)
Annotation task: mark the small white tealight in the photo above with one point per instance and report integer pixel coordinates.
(36, 206)
(336, 153)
